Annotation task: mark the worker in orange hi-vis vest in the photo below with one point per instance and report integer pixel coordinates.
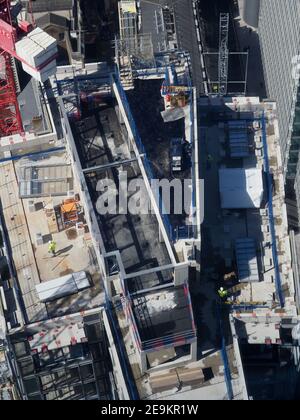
(52, 248)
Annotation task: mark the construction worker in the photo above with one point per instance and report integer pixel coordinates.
(52, 248)
(222, 293)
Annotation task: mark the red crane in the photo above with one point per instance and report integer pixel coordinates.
(12, 30)
(10, 116)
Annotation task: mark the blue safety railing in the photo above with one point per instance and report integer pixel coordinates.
(271, 213)
(183, 232)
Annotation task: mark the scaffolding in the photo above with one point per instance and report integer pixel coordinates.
(138, 50)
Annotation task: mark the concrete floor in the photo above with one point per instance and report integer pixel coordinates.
(218, 233)
(72, 254)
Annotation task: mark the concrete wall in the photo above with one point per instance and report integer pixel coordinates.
(117, 368)
(295, 268)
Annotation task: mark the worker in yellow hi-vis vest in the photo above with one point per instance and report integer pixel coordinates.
(52, 248)
(222, 293)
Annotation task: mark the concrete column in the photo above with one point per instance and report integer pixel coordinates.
(194, 351)
(143, 361)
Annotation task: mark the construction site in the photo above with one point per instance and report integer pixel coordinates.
(150, 305)
(245, 232)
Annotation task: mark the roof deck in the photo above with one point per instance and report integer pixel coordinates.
(149, 279)
(30, 225)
